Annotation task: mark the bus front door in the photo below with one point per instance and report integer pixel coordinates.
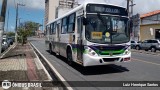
(58, 39)
(79, 40)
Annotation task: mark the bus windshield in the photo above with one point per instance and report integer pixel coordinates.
(107, 29)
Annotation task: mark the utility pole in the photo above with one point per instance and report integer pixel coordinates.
(17, 7)
(132, 5)
(7, 21)
(128, 7)
(131, 16)
(2, 21)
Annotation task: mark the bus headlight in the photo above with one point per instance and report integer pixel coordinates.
(128, 51)
(89, 51)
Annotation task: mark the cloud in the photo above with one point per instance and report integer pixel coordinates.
(146, 6)
(30, 4)
(142, 6)
(35, 4)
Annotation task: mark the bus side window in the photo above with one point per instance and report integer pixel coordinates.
(71, 23)
(55, 25)
(52, 28)
(48, 30)
(64, 25)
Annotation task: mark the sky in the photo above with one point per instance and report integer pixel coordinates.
(34, 9)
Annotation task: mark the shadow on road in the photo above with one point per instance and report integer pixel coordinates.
(95, 70)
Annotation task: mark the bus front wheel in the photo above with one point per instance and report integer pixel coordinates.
(69, 57)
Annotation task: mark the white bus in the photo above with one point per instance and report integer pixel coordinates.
(91, 34)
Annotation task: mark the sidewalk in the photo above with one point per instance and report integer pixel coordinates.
(21, 64)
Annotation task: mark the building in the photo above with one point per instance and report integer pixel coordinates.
(39, 33)
(50, 10)
(150, 25)
(65, 6)
(57, 8)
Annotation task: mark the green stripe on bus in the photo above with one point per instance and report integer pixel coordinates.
(102, 52)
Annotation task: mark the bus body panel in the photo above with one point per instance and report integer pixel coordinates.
(82, 49)
(93, 61)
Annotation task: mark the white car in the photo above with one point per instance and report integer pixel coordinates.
(151, 44)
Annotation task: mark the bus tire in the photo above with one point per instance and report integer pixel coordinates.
(50, 49)
(69, 56)
(146, 49)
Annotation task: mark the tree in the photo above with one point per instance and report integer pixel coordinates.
(10, 34)
(33, 26)
(27, 29)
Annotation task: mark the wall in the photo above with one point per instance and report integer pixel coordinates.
(145, 32)
(62, 11)
(148, 23)
(50, 10)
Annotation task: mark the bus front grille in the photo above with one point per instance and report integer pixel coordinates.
(110, 59)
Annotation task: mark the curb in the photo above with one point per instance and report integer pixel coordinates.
(49, 77)
(68, 87)
(4, 53)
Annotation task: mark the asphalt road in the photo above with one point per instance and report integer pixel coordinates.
(143, 67)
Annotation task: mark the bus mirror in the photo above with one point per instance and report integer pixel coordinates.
(85, 21)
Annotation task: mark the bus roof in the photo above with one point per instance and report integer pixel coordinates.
(79, 7)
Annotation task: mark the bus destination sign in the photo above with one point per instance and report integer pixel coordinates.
(106, 9)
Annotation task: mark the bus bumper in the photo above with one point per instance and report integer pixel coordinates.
(89, 60)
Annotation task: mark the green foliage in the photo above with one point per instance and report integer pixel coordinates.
(33, 26)
(10, 34)
(27, 29)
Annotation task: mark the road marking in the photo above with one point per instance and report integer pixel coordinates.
(146, 62)
(54, 70)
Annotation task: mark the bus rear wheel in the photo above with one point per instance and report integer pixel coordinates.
(69, 57)
(50, 49)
